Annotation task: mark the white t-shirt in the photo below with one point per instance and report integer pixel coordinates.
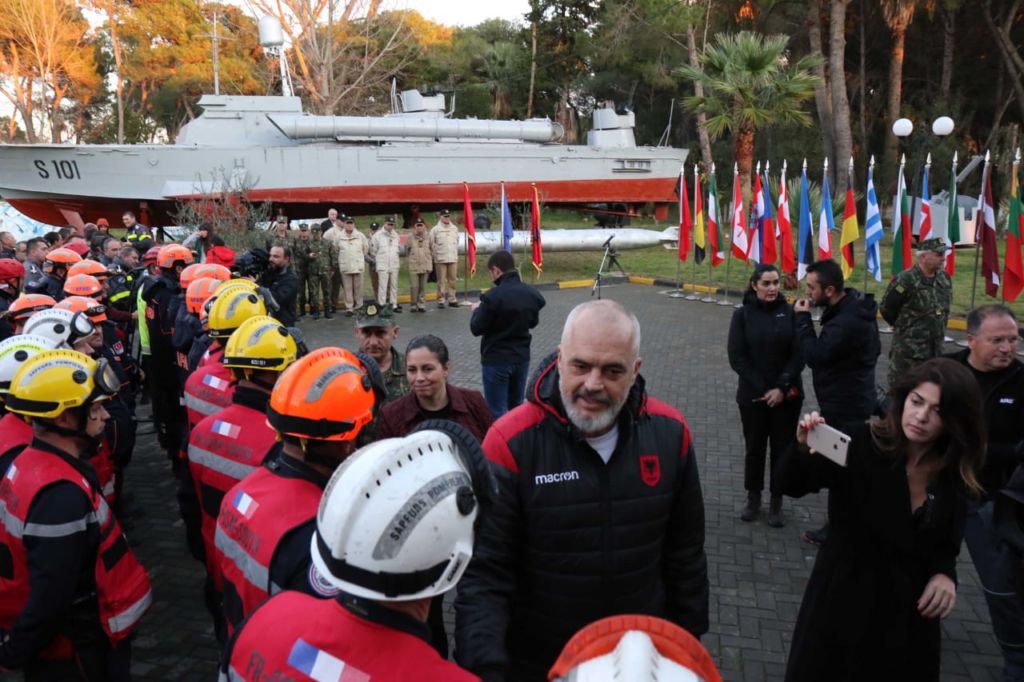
(605, 445)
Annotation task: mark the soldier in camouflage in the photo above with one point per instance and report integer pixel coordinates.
(376, 332)
(280, 236)
(916, 304)
(324, 258)
(301, 253)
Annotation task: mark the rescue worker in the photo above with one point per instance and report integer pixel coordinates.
(444, 240)
(226, 447)
(67, 330)
(12, 274)
(186, 324)
(352, 248)
(147, 278)
(122, 282)
(199, 292)
(55, 271)
(159, 298)
(35, 255)
(15, 430)
(136, 233)
(24, 307)
(384, 247)
(385, 574)
(318, 408)
(74, 590)
(421, 262)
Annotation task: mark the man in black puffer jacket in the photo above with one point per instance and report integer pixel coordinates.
(600, 510)
(842, 357)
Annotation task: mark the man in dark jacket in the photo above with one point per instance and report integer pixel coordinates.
(283, 284)
(993, 531)
(599, 511)
(503, 318)
(842, 356)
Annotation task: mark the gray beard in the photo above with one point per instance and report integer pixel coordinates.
(585, 423)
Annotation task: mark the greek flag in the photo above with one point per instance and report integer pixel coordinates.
(873, 229)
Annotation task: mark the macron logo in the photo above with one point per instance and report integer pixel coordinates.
(541, 479)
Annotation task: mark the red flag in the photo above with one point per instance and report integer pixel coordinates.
(1013, 275)
(685, 218)
(786, 227)
(538, 251)
(467, 213)
(740, 234)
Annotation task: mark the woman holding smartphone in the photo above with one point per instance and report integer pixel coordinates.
(765, 353)
(886, 575)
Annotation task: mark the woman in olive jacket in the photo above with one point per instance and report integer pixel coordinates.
(765, 353)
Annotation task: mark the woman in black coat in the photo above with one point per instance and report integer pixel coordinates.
(765, 353)
(887, 574)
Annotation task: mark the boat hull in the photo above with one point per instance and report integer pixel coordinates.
(61, 184)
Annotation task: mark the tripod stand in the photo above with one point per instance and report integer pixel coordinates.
(610, 259)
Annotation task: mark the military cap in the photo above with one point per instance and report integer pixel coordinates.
(345, 218)
(373, 315)
(389, 219)
(282, 220)
(445, 211)
(303, 227)
(933, 244)
(374, 227)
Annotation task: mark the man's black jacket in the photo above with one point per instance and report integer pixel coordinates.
(843, 355)
(504, 319)
(571, 539)
(284, 286)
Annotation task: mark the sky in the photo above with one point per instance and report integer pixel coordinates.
(467, 12)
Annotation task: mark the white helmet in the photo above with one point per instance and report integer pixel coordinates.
(634, 647)
(62, 327)
(14, 351)
(396, 519)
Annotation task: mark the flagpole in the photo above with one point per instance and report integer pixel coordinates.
(708, 297)
(977, 242)
(693, 296)
(1014, 168)
(728, 262)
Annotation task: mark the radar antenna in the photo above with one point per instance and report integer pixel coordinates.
(272, 40)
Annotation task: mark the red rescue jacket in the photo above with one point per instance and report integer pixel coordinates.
(208, 390)
(122, 585)
(294, 635)
(223, 449)
(254, 516)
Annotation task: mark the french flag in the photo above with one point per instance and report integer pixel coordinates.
(322, 666)
(215, 383)
(227, 429)
(245, 505)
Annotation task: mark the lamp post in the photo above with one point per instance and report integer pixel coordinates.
(904, 127)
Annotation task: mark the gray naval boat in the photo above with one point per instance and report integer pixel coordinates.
(414, 159)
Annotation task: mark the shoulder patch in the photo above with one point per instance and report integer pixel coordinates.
(320, 584)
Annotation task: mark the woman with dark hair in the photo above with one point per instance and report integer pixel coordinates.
(200, 242)
(886, 574)
(431, 396)
(765, 353)
(220, 253)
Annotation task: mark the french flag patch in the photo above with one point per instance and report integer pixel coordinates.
(322, 666)
(245, 505)
(215, 383)
(227, 429)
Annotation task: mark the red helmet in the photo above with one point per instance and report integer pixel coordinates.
(82, 285)
(63, 258)
(173, 254)
(151, 255)
(79, 246)
(89, 267)
(26, 304)
(11, 270)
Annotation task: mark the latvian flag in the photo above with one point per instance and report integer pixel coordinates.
(244, 503)
(322, 666)
(227, 429)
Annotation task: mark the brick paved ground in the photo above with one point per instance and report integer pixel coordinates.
(757, 573)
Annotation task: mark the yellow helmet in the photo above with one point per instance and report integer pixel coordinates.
(230, 309)
(55, 381)
(260, 343)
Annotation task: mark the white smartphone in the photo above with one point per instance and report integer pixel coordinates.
(830, 442)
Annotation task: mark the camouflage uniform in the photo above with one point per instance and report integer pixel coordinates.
(301, 253)
(396, 382)
(917, 307)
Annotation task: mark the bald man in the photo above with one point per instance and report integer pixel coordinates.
(599, 510)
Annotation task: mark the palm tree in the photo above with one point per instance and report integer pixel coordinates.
(898, 15)
(748, 84)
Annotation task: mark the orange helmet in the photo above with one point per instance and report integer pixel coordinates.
(326, 395)
(214, 270)
(89, 267)
(198, 292)
(26, 304)
(173, 254)
(188, 275)
(632, 647)
(61, 257)
(82, 285)
(93, 309)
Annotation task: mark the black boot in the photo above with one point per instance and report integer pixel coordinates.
(753, 508)
(775, 519)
